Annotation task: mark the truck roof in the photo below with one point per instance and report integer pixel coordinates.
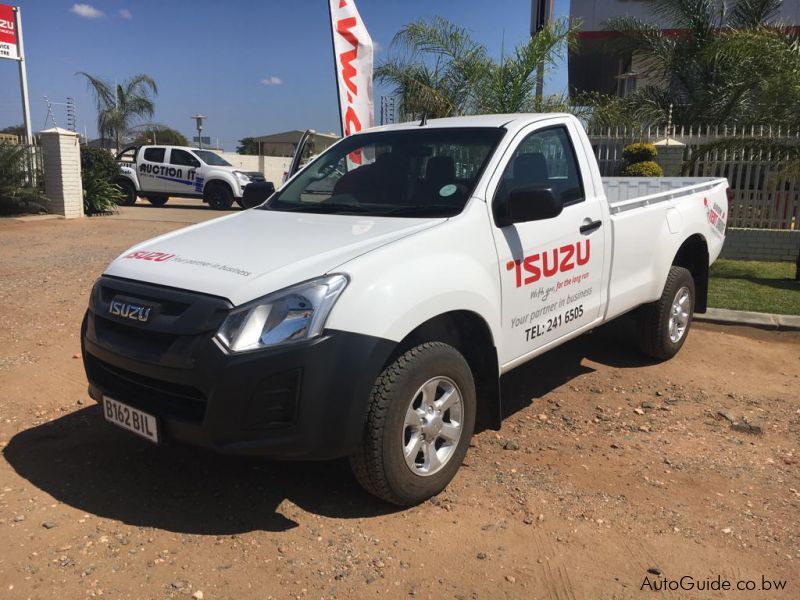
(511, 120)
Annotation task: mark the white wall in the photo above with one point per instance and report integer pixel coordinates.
(273, 167)
(61, 164)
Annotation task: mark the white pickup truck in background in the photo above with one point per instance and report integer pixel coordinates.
(158, 172)
(371, 306)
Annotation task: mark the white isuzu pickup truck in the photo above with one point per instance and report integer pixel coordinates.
(369, 308)
(158, 172)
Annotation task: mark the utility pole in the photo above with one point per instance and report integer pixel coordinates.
(541, 15)
(199, 120)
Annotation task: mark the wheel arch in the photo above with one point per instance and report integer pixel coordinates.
(470, 334)
(693, 256)
(217, 180)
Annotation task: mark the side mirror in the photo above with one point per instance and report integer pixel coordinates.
(525, 204)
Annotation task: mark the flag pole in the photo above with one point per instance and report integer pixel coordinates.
(336, 72)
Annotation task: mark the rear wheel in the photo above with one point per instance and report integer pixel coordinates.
(157, 200)
(420, 421)
(664, 324)
(128, 191)
(218, 195)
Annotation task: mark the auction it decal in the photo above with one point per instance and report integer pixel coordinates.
(549, 262)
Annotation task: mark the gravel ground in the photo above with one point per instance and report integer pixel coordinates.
(607, 466)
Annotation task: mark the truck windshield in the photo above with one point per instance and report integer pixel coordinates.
(405, 173)
(211, 159)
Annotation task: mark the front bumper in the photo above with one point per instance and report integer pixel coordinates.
(256, 193)
(306, 400)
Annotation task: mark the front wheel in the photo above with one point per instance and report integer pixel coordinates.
(664, 324)
(420, 420)
(128, 192)
(157, 200)
(218, 195)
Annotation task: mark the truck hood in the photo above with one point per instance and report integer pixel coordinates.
(245, 256)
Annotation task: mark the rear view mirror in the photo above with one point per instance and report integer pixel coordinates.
(525, 204)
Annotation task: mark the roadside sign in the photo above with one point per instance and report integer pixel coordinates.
(8, 33)
(202, 139)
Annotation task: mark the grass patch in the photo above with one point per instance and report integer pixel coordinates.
(767, 287)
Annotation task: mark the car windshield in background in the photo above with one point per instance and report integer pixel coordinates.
(404, 173)
(212, 159)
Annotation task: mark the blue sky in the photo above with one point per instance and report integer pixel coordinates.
(215, 57)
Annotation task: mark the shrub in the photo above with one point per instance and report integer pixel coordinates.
(16, 195)
(99, 170)
(636, 153)
(647, 168)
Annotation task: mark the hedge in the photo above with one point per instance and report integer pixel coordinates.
(647, 168)
(636, 153)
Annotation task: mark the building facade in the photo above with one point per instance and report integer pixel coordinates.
(593, 69)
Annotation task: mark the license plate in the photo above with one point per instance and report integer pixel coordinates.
(131, 419)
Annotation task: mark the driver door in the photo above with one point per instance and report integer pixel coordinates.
(551, 269)
(183, 166)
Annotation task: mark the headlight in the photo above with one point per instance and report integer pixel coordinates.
(296, 313)
(244, 178)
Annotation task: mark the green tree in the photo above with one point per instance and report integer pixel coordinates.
(728, 65)
(247, 145)
(439, 70)
(16, 194)
(154, 133)
(17, 130)
(120, 105)
(98, 172)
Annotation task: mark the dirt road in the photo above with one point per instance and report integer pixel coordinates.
(606, 466)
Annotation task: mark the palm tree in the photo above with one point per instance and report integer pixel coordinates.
(436, 70)
(439, 70)
(120, 105)
(508, 86)
(714, 71)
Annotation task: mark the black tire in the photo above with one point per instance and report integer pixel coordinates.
(218, 195)
(157, 200)
(379, 465)
(128, 191)
(654, 319)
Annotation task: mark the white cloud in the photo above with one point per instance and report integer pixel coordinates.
(87, 11)
(377, 46)
(272, 81)
(125, 13)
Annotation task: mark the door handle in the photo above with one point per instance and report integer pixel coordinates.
(590, 226)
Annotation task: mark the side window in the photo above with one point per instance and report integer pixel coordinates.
(154, 155)
(545, 158)
(182, 158)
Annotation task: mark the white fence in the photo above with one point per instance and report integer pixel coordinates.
(761, 200)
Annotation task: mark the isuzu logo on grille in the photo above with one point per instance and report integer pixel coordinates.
(127, 310)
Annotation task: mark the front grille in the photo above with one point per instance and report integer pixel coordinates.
(133, 342)
(179, 322)
(168, 307)
(146, 393)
